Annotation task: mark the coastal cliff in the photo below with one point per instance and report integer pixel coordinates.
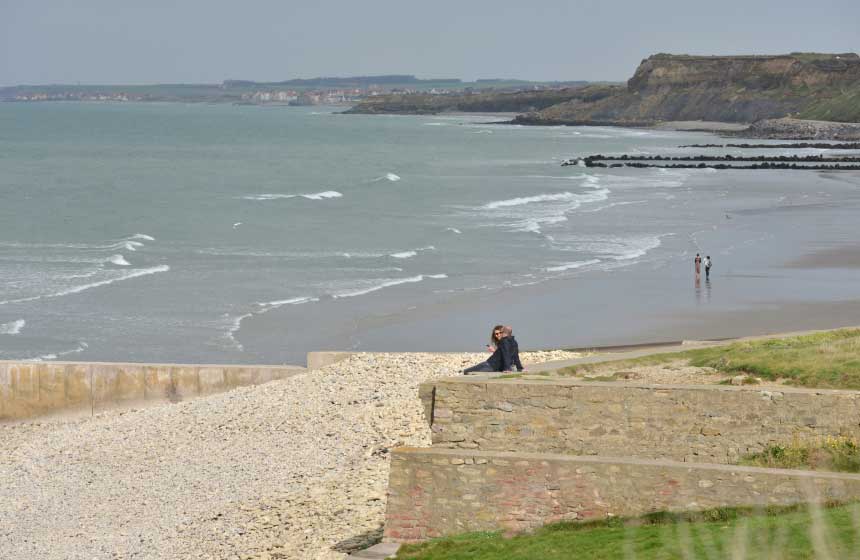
(723, 88)
(665, 87)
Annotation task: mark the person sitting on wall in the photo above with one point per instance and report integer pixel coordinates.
(500, 359)
(514, 348)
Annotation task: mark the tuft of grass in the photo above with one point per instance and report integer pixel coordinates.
(772, 532)
(828, 360)
(833, 453)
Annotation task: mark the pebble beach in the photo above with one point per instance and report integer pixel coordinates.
(296, 468)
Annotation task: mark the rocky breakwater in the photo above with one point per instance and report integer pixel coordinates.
(734, 89)
(792, 163)
(797, 129)
(296, 468)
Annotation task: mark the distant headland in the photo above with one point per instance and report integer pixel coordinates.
(796, 88)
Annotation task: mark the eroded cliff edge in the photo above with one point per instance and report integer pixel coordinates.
(665, 87)
(723, 88)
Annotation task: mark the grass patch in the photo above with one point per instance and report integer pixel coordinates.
(839, 453)
(828, 360)
(778, 533)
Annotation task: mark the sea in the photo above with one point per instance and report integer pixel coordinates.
(212, 233)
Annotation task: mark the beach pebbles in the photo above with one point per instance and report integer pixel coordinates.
(296, 468)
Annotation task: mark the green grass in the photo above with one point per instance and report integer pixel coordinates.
(828, 359)
(783, 533)
(839, 453)
(842, 107)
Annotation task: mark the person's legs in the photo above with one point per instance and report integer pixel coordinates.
(482, 367)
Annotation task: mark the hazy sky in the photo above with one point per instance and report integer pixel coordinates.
(148, 41)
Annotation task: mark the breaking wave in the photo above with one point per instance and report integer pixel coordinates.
(13, 328)
(84, 287)
(388, 284)
(277, 196)
(572, 265)
(530, 199)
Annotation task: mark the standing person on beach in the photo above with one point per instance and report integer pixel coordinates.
(500, 354)
(708, 267)
(698, 262)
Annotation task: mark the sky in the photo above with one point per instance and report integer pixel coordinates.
(197, 41)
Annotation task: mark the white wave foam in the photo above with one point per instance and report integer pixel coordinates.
(435, 124)
(41, 358)
(237, 224)
(529, 200)
(388, 284)
(404, 255)
(544, 209)
(269, 305)
(277, 196)
(614, 204)
(130, 245)
(77, 350)
(639, 247)
(268, 196)
(322, 195)
(235, 325)
(84, 287)
(392, 177)
(618, 248)
(143, 236)
(46, 357)
(453, 229)
(89, 274)
(13, 328)
(412, 253)
(572, 265)
(119, 260)
(533, 225)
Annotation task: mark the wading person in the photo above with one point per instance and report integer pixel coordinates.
(698, 262)
(708, 267)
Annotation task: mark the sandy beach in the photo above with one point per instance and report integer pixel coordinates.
(843, 257)
(291, 469)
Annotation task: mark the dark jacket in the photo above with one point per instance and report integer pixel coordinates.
(515, 352)
(506, 356)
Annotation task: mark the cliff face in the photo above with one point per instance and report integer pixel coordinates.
(724, 88)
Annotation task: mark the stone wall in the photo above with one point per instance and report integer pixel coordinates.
(710, 423)
(439, 492)
(30, 389)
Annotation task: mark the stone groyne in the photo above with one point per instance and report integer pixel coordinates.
(32, 389)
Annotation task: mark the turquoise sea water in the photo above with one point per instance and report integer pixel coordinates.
(214, 233)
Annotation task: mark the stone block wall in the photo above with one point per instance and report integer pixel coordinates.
(712, 423)
(440, 492)
(31, 389)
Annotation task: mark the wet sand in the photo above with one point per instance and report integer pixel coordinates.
(844, 257)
